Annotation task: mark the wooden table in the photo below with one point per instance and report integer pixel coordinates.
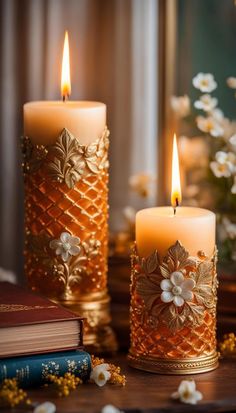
(149, 393)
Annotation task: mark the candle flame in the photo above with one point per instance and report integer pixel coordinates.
(65, 70)
(176, 196)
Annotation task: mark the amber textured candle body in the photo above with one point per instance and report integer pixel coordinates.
(66, 234)
(173, 312)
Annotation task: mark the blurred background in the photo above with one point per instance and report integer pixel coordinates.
(139, 57)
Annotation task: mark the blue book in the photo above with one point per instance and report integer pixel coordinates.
(33, 370)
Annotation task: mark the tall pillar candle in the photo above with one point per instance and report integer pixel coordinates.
(65, 150)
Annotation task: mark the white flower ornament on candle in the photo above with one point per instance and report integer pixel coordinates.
(66, 246)
(187, 392)
(205, 82)
(177, 289)
(100, 374)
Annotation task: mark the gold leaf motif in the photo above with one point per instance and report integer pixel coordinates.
(67, 160)
(150, 272)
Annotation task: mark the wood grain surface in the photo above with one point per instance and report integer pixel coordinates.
(149, 393)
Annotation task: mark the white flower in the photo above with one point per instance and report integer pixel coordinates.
(224, 165)
(46, 407)
(180, 105)
(187, 392)
(217, 114)
(100, 374)
(230, 228)
(233, 189)
(223, 157)
(221, 169)
(209, 125)
(129, 214)
(205, 82)
(231, 82)
(177, 289)
(109, 408)
(232, 140)
(141, 183)
(206, 102)
(229, 128)
(66, 246)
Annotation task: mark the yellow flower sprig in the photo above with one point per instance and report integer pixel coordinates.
(115, 371)
(64, 384)
(11, 394)
(228, 345)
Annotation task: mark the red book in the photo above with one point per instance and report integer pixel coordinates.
(31, 324)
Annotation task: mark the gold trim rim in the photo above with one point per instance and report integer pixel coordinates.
(175, 366)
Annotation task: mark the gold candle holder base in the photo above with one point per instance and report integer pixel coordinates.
(175, 366)
(173, 312)
(66, 229)
(98, 335)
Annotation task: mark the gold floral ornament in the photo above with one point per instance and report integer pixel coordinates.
(69, 161)
(65, 258)
(177, 290)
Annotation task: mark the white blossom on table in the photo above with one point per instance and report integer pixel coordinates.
(66, 246)
(100, 374)
(205, 82)
(187, 392)
(180, 105)
(46, 407)
(177, 289)
(231, 82)
(109, 408)
(210, 125)
(206, 102)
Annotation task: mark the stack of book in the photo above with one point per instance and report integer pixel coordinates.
(38, 337)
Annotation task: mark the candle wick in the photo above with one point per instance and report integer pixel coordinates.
(176, 205)
(65, 97)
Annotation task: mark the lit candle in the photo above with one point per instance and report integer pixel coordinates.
(44, 120)
(159, 228)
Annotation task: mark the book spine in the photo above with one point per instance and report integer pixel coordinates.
(34, 371)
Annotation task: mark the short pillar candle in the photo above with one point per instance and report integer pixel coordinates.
(174, 290)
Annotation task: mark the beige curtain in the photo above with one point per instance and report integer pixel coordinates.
(113, 59)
